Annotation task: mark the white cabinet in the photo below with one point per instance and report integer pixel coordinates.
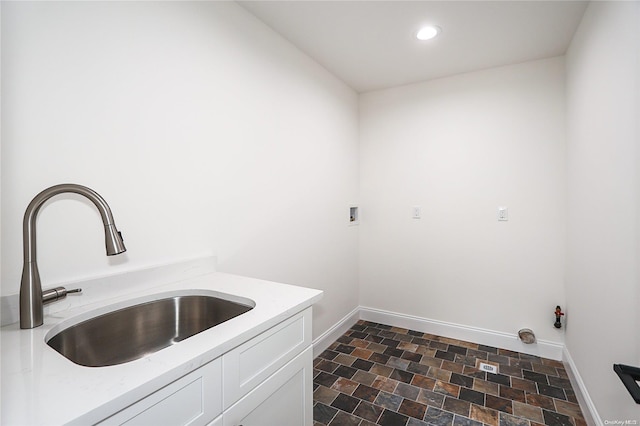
(284, 399)
(265, 381)
(193, 400)
(248, 365)
(216, 422)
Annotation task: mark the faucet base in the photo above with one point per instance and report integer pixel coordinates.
(30, 297)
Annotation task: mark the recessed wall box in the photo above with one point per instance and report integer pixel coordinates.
(354, 215)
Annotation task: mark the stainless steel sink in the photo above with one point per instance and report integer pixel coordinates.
(133, 332)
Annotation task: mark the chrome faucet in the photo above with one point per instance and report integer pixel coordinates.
(32, 298)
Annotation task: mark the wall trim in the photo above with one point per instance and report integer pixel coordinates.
(323, 341)
(591, 415)
(543, 348)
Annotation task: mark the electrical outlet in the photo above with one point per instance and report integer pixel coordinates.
(416, 212)
(503, 213)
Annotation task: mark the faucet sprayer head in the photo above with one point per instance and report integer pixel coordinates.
(113, 240)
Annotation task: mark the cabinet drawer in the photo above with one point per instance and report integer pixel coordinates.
(284, 399)
(194, 399)
(246, 366)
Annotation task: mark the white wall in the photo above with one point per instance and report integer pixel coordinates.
(603, 280)
(205, 131)
(459, 147)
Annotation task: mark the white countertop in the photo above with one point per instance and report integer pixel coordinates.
(41, 387)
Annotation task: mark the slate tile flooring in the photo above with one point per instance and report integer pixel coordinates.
(376, 374)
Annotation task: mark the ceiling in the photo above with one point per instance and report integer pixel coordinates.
(371, 45)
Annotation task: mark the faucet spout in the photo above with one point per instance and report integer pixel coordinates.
(31, 301)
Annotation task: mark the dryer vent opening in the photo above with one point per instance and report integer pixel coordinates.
(527, 336)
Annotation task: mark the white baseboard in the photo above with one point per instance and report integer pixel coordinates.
(323, 341)
(589, 411)
(542, 348)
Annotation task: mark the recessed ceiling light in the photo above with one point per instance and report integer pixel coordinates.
(428, 32)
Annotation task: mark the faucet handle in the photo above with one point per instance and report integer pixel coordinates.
(57, 293)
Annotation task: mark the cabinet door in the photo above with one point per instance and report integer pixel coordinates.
(284, 399)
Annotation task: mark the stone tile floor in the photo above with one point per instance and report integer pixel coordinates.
(376, 374)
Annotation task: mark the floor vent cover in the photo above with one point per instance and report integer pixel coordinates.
(489, 368)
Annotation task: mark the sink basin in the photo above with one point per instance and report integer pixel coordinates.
(133, 332)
